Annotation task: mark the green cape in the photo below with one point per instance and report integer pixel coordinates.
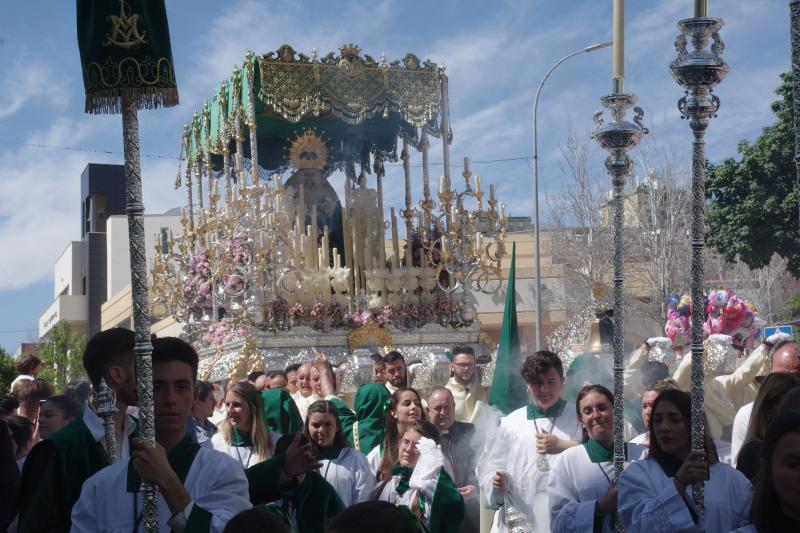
(280, 412)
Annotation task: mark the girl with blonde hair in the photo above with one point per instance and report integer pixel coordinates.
(244, 435)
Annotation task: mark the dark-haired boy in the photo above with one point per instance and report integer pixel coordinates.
(57, 467)
(517, 460)
(199, 489)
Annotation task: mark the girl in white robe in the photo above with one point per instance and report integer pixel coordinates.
(244, 435)
(582, 496)
(343, 467)
(655, 495)
(421, 481)
(405, 408)
(513, 450)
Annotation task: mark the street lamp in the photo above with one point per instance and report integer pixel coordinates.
(586, 50)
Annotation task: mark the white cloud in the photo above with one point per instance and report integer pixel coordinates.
(28, 79)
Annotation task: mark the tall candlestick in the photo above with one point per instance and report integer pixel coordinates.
(700, 8)
(395, 242)
(619, 39)
(466, 165)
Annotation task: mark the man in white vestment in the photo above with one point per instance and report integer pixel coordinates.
(199, 489)
(515, 464)
(784, 357)
(308, 388)
(468, 392)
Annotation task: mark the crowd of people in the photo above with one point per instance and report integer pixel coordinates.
(282, 451)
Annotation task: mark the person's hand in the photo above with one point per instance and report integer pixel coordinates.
(693, 470)
(500, 481)
(608, 501)
(299, 459)
(320, 361)
(151, 463)
(425, 445)
(467, 492)
(548, 443)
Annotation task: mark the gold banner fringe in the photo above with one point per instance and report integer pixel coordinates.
(109, 101)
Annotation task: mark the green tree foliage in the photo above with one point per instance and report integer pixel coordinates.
(791, 309)
(62, 355)
(753, 202)
(8, 371)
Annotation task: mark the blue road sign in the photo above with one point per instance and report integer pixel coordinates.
(772, 330)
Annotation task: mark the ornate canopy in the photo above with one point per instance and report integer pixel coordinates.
(358, 104)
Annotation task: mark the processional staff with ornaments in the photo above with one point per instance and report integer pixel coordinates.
(127, 64)
(618, 136)
(698, 71)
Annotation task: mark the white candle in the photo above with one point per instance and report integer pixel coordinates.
(336, 263)
(444, 244)
(502, 211)
(478, 242)
(619, 38)
(466, 165)
(442, 184)
(453, 212)
(395, 241)
(477, 180)
(491, 191)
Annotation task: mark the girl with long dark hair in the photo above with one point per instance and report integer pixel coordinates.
(581, 488)
(343, 467)
(405, 408)
(655, 495)
(776, 504)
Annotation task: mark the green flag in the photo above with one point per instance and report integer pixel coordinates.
(125, 51)
(508, 391)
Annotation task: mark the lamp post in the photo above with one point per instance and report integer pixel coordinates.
(586, 50)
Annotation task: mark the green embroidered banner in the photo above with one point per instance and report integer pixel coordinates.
(125, 53)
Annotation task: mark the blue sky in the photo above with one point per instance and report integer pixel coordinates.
(495, 52)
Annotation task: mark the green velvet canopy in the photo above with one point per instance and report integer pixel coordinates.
(357, 104)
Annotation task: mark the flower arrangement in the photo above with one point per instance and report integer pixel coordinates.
(318, 312)
(360, 318)
(280, 306)
(390, 312)
(197, 287)
(224, 331)
(298, 311)
(409, 311)
(427, 312)
(336, 313)
(443, 306)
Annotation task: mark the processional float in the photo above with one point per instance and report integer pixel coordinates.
(271, 262)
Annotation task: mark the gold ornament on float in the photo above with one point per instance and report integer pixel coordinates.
(309, 151)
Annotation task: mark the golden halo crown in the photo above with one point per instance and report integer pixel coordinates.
(350, 51)
(309, 151)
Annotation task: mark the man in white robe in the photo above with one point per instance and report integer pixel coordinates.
(783, 356)
(198, 489)
(516, 462)
(308, 388)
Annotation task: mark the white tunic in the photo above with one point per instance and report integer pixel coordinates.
(215, 483)
(513, 450)
(423, 481)
(575, 485)
(243, 454)
(304, 402)
(649, 502)
(349, 474)
(374, 460)
(739, 432)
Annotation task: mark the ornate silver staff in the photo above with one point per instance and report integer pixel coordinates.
(698, 71)
(126, 58)
(794, 10)
(106, 407)
(618, 137)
